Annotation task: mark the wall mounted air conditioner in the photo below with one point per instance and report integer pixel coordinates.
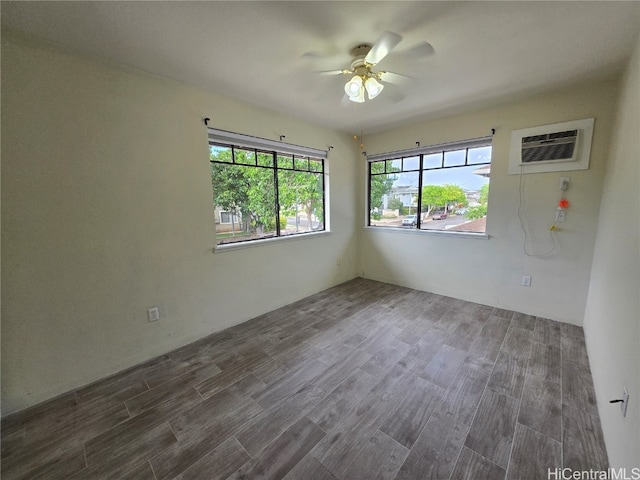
(551, 148)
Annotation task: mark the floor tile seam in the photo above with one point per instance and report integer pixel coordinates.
(164, 384)
(592, 413)
(105, 461)
(84, 451)
(378, 420)
(110, 380)
(303, 411)
(345, 415)
(542, 377)
(241, 376)
(489, 460)
(518, 422)
(475, 415)
(153, 472)
(345, 467)
(323, 390)
(484, 392)
(265, 447)
(202, 399)
(172, 430)
(513, 435)
(497, 392)
(251, 457)
(458, 458)
(545, 344)
(526, 370)
(177, 441)
(290, 373)
(259, 453)
(410, 449)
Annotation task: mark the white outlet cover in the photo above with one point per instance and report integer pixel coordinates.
(624, 403)
(154, 314)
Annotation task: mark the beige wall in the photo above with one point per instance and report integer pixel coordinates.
(490, 271)
(612, 318)
(107, 211)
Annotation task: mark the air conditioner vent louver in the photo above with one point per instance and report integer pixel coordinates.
(557, 146)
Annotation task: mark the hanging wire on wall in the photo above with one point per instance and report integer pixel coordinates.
(521, 216)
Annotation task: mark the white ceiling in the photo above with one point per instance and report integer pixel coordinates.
(484, 52)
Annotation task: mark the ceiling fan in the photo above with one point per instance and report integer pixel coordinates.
(366, 56)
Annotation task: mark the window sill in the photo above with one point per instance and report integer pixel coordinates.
(267, 241)
(415, 231)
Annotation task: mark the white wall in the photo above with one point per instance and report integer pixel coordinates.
(490, 271)
(612, 317)
(107, 211)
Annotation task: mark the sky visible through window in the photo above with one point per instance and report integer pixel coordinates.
(463, 176)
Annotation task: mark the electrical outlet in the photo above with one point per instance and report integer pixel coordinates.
(526, 281)
(154, 314)
(561, 215)
(564, 183)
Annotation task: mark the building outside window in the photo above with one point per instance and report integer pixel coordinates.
(440, 187)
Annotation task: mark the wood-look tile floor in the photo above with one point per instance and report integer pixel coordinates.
(363, 381)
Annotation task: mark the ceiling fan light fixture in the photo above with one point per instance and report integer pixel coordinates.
(373, 87)
(353, 86)
(359, 97)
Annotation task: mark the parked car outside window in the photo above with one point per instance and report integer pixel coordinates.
(409, 221)
(439, 216)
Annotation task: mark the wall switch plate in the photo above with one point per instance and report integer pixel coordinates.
(624, 403)
(526, 281)
(154, 314)
(564, 183)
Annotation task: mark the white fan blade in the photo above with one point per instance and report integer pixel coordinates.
(335, 72)
(395, 78)
(382, 47)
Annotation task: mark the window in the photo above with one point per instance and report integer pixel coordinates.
(228, 217)
(264, 189)
(441, 187)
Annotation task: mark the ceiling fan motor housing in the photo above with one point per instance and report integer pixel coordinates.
(361, 50)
